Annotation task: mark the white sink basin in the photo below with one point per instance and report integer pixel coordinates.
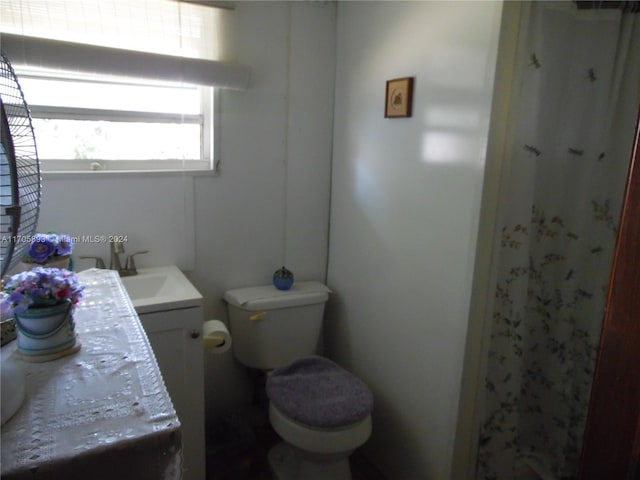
(161, 288)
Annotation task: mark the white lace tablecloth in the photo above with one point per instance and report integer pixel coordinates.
(101, 413)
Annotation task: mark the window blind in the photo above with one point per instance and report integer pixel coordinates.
(154, 39)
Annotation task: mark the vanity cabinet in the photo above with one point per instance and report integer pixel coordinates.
(176, 340)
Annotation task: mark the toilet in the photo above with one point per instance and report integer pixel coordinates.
(321, 411)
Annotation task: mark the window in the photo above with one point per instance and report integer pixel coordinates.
(89, 123)
(120, 84)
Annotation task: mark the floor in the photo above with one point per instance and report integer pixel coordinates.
(237, 450)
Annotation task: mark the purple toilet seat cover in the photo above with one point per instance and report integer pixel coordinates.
(317, 392)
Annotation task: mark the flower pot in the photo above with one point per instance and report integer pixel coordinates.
(52, 262)
(45, 330)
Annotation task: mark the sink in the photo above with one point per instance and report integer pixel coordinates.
(161, 288)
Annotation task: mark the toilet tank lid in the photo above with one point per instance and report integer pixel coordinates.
(268, 297)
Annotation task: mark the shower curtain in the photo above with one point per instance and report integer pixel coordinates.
(572, 124)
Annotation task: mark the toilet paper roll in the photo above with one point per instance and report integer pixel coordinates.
(216, 337)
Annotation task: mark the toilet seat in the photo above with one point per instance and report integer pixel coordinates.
(322, 441)
(318, 393)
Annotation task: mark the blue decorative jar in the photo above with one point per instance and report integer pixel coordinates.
(283, 279)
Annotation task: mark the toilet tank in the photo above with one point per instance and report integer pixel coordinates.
(272, 327)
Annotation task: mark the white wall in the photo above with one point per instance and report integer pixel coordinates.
(154, 212)
(404, 216)
(229, 231)
(405, 202)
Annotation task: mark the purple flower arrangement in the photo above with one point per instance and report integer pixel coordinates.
(46, 246)
(40, 287)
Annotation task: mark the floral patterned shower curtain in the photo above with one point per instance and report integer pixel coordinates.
(572, 126)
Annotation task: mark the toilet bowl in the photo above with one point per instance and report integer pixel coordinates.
(321, 411)
(325, 454)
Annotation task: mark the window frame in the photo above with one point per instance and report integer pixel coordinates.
(208, 119)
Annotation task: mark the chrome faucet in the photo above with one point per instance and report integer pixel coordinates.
(129, 265)
(99, 261)
(116, 249)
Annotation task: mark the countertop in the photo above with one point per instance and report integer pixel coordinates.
(101, 413)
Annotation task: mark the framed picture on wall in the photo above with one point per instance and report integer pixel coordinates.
(398, 98)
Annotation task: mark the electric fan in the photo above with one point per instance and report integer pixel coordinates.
(19, 171)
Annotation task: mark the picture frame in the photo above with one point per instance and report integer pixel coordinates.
(398, 98)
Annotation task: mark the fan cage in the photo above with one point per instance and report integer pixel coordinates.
(20, 181)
